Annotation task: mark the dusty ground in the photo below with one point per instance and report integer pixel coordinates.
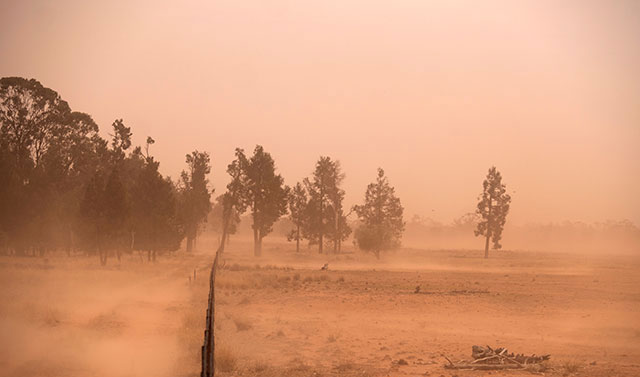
(279, 315)
(362, 316)
(63, 316)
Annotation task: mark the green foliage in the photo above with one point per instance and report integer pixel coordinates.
(297, 202)
(324, 213)
(195, 201)
(47, 155)
(104, 211)
(493, 207)
(256, 185)
(155, 216)
(381, 218)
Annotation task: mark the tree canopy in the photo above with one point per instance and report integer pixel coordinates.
(380, 216)
(493, 207)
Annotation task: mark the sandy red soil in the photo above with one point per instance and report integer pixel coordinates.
(279, 315)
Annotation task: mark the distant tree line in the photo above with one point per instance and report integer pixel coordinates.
(66, 187)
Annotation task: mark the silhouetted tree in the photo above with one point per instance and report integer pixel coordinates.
(339, 229)
(92, 212)
(156, 222)
(324, 210)
(217, 217)
(263, 191)
(47, 155)
(381, 217)
(196, 197)
(116, 212)
(297, 210)
(493, 208)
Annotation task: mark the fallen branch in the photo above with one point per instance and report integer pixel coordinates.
(483, 366)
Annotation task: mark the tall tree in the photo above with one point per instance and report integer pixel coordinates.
(105, 207)
(493, 207)
(324, 210)
(155, 212)
(216, 217)
(264, 191)
(297, 208)
(196, 197)
(381, 217)
(46, 155)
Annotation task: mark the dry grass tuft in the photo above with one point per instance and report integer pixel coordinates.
(570, 367)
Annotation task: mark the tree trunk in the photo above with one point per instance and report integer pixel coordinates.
(257, 243)
(153, 256)
(297, 238)
(337, 230)
(486, 246)
(189, 243)
(488, 231)
(149, 255)
(321, 244)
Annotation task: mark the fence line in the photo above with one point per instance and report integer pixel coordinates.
(208, 348)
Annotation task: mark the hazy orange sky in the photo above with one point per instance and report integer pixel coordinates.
(435, 92)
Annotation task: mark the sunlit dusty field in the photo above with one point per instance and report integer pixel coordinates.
(280, 315)
(362, 316)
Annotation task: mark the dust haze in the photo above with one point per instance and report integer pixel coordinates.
(389, 189)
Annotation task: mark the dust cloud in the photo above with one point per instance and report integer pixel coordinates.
(108, 234)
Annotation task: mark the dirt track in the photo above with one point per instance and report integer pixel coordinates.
(70, 317)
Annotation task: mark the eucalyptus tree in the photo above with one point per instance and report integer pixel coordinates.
(297, 200)
(196, 197)
(324, 213)
(262, 190)
(381, 217)
(493, 207)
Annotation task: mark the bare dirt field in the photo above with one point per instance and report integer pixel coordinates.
(280, 315)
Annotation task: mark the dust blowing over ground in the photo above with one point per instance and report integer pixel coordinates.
(385, 186)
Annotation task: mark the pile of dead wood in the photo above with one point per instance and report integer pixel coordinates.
(487, 358)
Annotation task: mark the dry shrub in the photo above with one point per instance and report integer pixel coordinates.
(570, 367)
(226, 361)
(296, 277)
(307, 279)
(242, 324)
(340, 279)
(332, 338)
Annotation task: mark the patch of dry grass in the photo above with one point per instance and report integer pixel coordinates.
(570, 367)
